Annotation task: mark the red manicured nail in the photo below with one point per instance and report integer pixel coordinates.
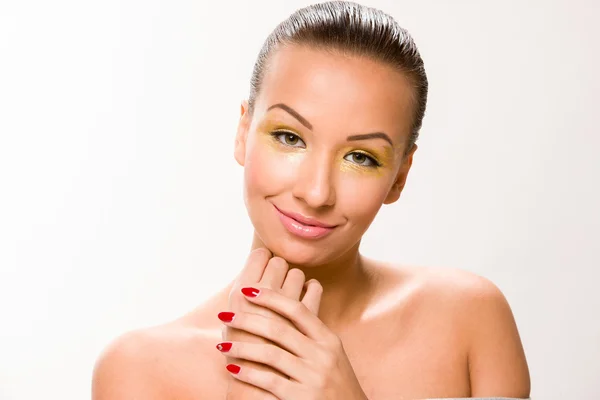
(250, 291)
(224, 347)
(234, 369)
(226, 316)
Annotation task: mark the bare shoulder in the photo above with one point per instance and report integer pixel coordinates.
(450, 286)
(461, 290)
(487, 327)
(171, 361)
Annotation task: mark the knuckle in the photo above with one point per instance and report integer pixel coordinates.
(275, 329)
(300, 308)
(272, 354)
(271, 381)
(334, 343)
(326, 361)
(320, 382)
(330, 362)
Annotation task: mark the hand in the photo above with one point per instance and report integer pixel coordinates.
(308, 352)
(264, 271)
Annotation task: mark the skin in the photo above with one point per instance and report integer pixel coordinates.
(406, 332)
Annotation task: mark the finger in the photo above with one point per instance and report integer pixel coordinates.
(268, 354)
(275, 330)
(293, 284)
(281, 387)
(255, 265)
(306, 322)
(274, 274)
(312, 297)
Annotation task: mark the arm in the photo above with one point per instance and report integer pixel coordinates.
(497, 363)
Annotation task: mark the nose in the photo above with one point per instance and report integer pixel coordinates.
(314, 183)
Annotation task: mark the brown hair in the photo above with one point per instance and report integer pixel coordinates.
(349, 28)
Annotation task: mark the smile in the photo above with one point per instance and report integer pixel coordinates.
(304, 229)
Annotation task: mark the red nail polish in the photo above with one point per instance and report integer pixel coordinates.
(224, 347)
(234, 369)
(250, 291)
(226, 316)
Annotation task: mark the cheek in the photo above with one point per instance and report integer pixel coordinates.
(268, 170)
(361, 199)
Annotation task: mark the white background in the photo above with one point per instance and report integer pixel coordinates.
(121, 203)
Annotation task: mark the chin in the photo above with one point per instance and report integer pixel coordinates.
(297, 251)
(300, 253)
(308, 253)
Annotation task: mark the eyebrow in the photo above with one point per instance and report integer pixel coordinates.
(294, 113)
(304, 121)
(374, 135)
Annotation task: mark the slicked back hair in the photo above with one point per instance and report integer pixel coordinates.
(351, 29)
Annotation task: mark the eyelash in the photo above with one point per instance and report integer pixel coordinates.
(277, 134)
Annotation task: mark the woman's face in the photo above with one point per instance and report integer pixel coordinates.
(303, 151)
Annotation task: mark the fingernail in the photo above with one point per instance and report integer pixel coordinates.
(250, 291)
(224, 347)
(226, 316)
(234, 369)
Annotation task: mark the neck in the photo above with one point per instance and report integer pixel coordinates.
(345, 282)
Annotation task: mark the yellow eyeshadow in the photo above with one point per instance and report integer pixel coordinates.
(276, 145)
(349, 166)
(384, 156)
(279, 149)
(268, 127)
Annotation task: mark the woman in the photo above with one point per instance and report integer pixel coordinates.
(327, 137)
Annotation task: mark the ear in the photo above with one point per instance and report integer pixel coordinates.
(394, 193)
(239, 151)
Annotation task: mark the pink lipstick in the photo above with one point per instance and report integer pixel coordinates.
(305, 227)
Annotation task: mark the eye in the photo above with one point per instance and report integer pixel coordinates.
(362, 159)
(289, 139)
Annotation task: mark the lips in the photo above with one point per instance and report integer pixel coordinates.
(303, 227)
(309, 221)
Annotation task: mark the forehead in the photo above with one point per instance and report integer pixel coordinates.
(337, 92)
